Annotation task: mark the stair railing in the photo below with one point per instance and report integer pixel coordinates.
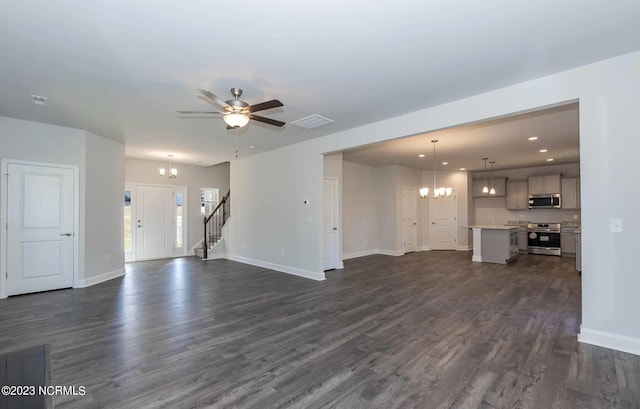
(215, 221)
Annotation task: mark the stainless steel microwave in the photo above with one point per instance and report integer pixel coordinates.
(544, 201)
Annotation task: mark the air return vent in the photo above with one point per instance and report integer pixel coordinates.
(312, 121)
(38, 100)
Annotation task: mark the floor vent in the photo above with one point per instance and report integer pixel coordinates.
(312, 121)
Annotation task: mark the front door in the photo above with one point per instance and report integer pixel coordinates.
(330, 224)
(40, 228)
(154, 223)
(444, 225)
(409, 198)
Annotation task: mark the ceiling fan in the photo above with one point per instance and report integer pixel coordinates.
(237, 113)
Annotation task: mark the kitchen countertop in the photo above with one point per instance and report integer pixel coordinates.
(491, 227)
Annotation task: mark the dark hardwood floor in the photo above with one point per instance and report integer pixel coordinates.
(426, 330)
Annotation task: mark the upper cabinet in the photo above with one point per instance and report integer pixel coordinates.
(570, 193)
(517, 195)
(540, 185)
(499, 184)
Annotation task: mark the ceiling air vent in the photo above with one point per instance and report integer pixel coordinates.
(312, 121)
(38, 100)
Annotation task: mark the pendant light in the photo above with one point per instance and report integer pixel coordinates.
(438, 191)
(485, 188)
(173, 172)
(492, 191)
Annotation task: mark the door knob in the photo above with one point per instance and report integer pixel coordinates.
(66, 234)
(335, 228)
(139, 225)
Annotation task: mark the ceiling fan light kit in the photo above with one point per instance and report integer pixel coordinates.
(236, 120)
(235, 112)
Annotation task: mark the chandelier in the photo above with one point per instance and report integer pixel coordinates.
(173, 172)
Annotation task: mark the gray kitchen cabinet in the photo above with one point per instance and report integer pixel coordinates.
(570, 193)
(499, 184)
(540, 185)
(568, 241)
(517, 195)
(523, 239)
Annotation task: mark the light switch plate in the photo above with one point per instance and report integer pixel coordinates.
(616, 225)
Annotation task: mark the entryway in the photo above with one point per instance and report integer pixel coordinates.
(42, 214)
(155, 221)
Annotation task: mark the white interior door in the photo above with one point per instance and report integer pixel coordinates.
(40, 229)
(409, 210)
(330, 224)
(444, 225)
(154, 224)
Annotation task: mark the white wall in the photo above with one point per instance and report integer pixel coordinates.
(100, 221)
(493, 210)
(360, 210)
(386, 189)
(270, 225)
(193, 177)
(609, 94)
(104, 199)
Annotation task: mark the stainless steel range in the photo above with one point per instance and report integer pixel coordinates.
(544, 238)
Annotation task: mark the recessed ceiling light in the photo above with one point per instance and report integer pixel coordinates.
(445, 163)
(533, 138)
(421, 155)
(252, 146)
(463, 168)
(543, 150)
(550, 160)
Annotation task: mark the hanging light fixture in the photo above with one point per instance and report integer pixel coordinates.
(173, 172)
(492, 191)
(236, 119)
(485, 188)
(424, 192)
(438, 191)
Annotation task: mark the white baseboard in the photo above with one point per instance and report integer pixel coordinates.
(477, 258)
(87, 282)
(609, 340)
(424, 248)
(464, 248)
(318, 276)
(390, 252)
(362, 253)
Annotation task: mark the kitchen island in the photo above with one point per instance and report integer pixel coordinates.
(494, 244)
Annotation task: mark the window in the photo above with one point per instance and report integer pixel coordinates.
(128, 238)
(209, 197)
(179, 218)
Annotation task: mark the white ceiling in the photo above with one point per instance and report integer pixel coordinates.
(505, 141)
(122, 68)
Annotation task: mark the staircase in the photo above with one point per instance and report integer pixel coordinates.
(212, 245)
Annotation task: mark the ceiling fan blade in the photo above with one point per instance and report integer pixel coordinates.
(212, 99)
(267, 120)
(274, 103)
(200, 112)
